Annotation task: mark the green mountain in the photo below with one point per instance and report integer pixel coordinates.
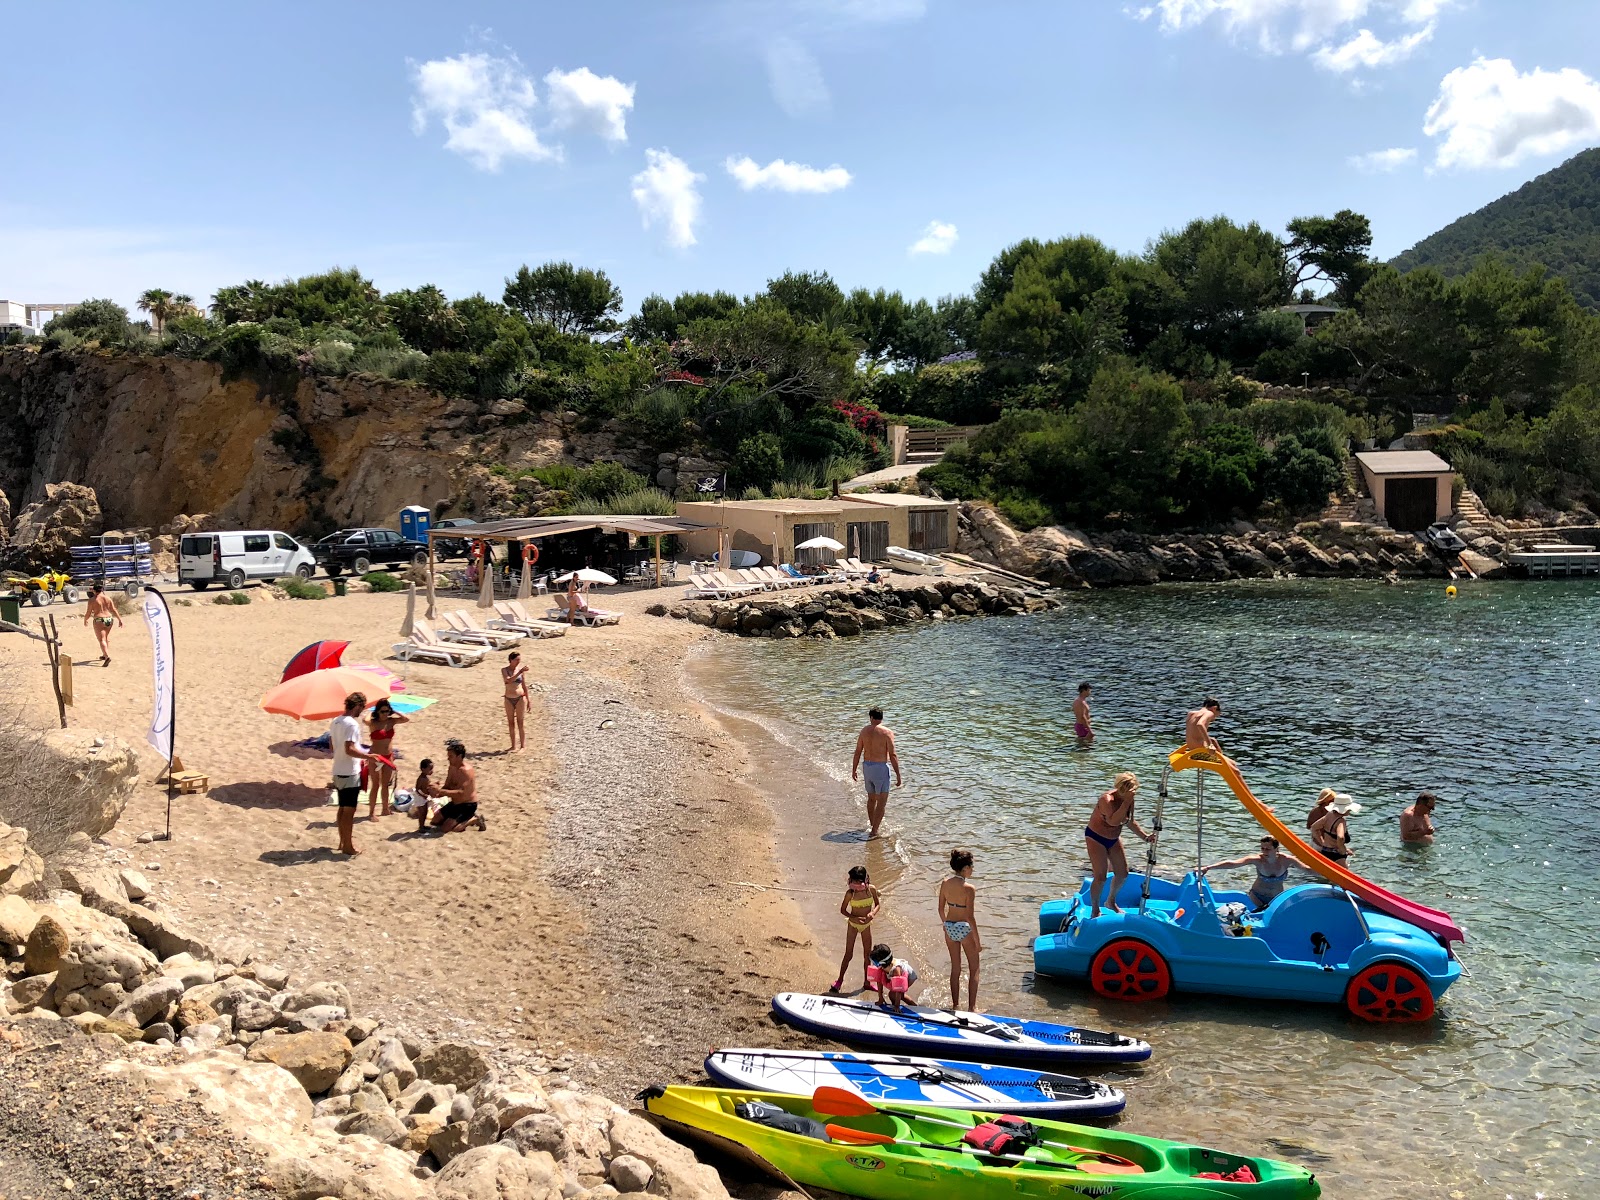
(1553, 221)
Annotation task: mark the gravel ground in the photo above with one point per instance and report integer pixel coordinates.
(68, 1131)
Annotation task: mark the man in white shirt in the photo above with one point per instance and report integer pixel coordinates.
(345, 735)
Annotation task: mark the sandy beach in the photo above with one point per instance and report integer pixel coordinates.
(623, 909)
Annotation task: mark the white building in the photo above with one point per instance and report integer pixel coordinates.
(13, 315)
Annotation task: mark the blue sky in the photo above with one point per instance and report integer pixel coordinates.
(702, 144)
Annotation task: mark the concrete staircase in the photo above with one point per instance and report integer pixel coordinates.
(1351, 503)
(1470, 509)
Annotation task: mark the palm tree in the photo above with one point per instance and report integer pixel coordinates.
(158, 303)
(184, 306)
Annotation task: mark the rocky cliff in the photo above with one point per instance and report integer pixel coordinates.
(159, 438)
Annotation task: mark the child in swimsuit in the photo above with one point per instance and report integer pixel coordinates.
(860, 904)
(957, 909)
(427, 794)
(1272, 870)
(886, 972)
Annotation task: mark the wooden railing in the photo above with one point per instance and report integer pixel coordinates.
(937, 441)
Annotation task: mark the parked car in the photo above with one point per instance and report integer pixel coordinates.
(1444, 539)
(451, 547)
(230, 558)
(358, 549)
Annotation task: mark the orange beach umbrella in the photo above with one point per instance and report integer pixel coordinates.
(319, 695)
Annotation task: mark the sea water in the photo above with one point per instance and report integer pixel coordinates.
(1490, 699)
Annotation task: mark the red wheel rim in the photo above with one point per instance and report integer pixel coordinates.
(1389, 992)
(1130, 970)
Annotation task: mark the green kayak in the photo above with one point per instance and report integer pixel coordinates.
(836, 1140)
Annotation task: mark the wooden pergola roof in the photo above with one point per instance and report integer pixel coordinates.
(521, 529)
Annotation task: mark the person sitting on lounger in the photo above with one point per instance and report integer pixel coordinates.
(576, 601)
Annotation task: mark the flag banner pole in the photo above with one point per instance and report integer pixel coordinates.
(161, 736)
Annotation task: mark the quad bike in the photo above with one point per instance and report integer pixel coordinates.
(44, 587)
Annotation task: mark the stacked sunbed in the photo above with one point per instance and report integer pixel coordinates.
(463, 639)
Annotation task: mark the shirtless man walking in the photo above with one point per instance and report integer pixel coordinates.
(102, 611)
(460, 790)
(1197, 728)
(1081, 725)
(875, 744)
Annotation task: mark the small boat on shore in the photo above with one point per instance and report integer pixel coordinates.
(941, 1033)
(893, 1078)
(880, 1152)
(914, 561)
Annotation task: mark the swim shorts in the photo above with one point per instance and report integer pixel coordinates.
(876, 775)
(1079, 728)
(458, 812)
(349, 789)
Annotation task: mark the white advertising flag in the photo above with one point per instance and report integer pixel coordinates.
(159, 618)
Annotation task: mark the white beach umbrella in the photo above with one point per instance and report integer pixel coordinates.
(587, 575)
(821, 543)
(411, 610)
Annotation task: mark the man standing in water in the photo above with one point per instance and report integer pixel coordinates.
(1197, 728)
(875, 744)
(102, 611)
(1416, 822)
(1080, 717)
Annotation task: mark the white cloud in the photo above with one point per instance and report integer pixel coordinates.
(795, 78)
(782, 176)
(665, 192)
(937, 238)
(1491, 116)
(590, 103)
(1368, 50)
(484, 103)
(1382, 162)
(1321, 28)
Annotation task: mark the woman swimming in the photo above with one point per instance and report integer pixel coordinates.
(1272, 870)
(1331, 831)
(515, 677)
(860, 904)
(380, 779)
(957, 901)
(1102, 836)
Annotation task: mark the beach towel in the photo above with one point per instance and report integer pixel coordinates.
(410, 704)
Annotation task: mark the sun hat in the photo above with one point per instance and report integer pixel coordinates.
(1344, 805)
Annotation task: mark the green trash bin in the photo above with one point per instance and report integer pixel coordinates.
(11, 609)
(338, 586)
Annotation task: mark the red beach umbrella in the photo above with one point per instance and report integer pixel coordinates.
(316, 657)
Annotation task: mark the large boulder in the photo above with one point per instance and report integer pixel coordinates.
(95, 960)
(17, 920)
(68, 515)
(102, 773)
(153, 1001)
(20, 868)
(675, 1170)
(48, 943)
(498, 1172)
(453, 1063)
(316, 1060)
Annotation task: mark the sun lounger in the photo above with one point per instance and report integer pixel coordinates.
(464, 623)
(429, 648)
(736, 586)
(754, 578)
(594, 617)
(517, 620)
(714, 586)
(776, 578)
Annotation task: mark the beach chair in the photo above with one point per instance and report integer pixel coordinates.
(776, 578)
(701, 588)
(517, 620)
(594, 617)
(737, 586)
(464, 623)
(750, 576)
(427, 647)
(447, 636)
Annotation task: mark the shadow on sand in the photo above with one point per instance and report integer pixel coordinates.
(270, 794)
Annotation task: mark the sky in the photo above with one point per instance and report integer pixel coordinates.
(704, 144)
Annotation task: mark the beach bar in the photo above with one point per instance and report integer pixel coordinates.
(865, 524)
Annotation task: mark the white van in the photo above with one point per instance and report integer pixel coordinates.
(232, 558)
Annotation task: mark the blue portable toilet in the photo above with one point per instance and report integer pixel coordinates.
(414, 523)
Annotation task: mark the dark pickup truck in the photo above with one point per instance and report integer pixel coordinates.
(359, 550)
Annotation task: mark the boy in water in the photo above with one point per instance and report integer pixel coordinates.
(1081, 725)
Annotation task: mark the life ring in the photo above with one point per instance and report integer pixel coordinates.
(530, 553)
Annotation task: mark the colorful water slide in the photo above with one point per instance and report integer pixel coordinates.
(1431, 919)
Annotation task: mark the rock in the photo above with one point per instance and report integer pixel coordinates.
(252, 1014)
(361, 1029)
(93, 961)
(193, 1012)
(381, 1126)
(419, 1129)
(157, 931)
(317, 995)
(514, 1106)
(630, 1174)
(275, 979)
(367, 1098)
(676, 1171)
(43, 532)
(349, 1081)
(150, 1002)
(160, 1032)
(539, 1134)
(134, 884)
(17, 920)
(316, 1060)
(21, 868)
(332, 1106)
(100, 999)
(484, 1127)
(104, 772)
(191, 974)
(498, 1172)
(448, 1143)
(310, 1020)
(392, 1059)
(453, 1063)
(29, 992)
(461, 1108)
(95, 1023)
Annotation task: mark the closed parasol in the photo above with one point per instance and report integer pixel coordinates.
(319, 695)
(316, 657)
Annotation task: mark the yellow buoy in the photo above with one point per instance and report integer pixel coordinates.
(1451, 590)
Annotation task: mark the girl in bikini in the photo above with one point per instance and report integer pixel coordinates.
(515, 677)
(957, 909)
(860, 904)
(1103, 838)
(1272, 870)
(381, 725)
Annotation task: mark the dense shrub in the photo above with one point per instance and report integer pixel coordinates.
(301, 589)
(384, 581)
(756, 463)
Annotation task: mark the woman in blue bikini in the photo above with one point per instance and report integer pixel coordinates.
(1103, 838)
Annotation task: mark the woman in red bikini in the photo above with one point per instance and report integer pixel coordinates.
(1103, 838)
(381, 725)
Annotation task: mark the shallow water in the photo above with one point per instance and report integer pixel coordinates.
(1489, 699)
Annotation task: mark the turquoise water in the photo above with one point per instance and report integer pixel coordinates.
(1489, 700)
